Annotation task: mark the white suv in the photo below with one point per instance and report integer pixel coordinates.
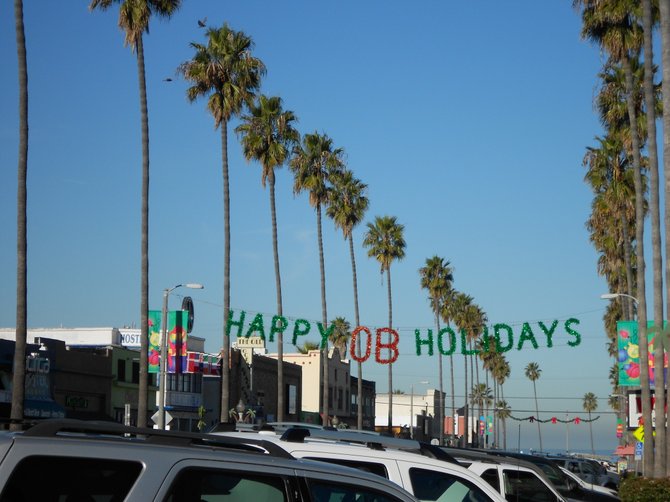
(70, 460)
(427, 478)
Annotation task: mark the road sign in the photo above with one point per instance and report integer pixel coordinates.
(156, 416)
(639, 434)
(639, 447)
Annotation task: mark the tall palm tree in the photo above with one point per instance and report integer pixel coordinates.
(227, 74)
(134, 16)
(503, 411)
(648, 22)
(268, 136)
(348, 204)
(340, 335)
(446, 314)
(385, 242)
(481, 396)
(315, 162)
(533, 372)
(590, 404)
(613, 26)
(459, 308)
(436, 278)
(664, 8)
(19, 368)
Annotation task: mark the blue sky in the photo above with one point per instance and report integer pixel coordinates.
(468, 123)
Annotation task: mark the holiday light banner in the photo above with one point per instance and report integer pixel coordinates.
(177, 338)
(446, 341)
(628, 356)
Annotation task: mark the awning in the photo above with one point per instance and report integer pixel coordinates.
(622, 451)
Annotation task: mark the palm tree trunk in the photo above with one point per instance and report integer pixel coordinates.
(648, 455)
(593, 450)
(324, 317)
(665, 56)
(628, 264)
(465, 405)
(453, 395)
(280, 335)
(390, 413)
(440, 399)
(537, 416)
(359, 419)
(144, 293)
(652, 151)
(225, 350)
(19, 368)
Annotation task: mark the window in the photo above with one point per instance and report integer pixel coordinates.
(322, 491)
(70, 478)
(136, 372)
(330, 397)
(219, 485)
(339, 399)
(491, 477)
(430, 486)
(526, 487)
(121, 370)
(373, 467)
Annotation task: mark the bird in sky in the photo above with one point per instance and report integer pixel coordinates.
(167, 79)
(201, 22)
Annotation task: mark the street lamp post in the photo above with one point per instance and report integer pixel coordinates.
(612, 296)
(411, 408)
(162, 384)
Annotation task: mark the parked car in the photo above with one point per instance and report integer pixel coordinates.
(421, 469)
(610, 493)
(71, 460)
(589, 470)
(565, 484)
(516, 480)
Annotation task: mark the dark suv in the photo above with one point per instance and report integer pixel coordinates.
(75, 461)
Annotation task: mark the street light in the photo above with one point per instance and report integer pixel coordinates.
(612, 296)
(411, 408)
(162, 384)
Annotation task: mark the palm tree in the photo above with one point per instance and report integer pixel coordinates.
(307, 346)
(347, 207)
(134, 16)
(340, 335)
(617, 31)
(314, 164)
(590, 404)
(268, 137)
(446, 314)
(664, 8)
(648, 23)
(385, 242)
(503, 411)
(459, 308)
(532, 372)
(19, 368)
(225, 71)
(436, 277)
(481, 396)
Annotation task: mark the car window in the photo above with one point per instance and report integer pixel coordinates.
(491, 477)
(373, 467)
(70, 479)
(323, 491)
(523, 486)
(432, 486)
(194, 484)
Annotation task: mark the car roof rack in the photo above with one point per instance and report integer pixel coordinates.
(372, 441)
(114, 430)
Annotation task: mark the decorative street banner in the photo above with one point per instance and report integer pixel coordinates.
(500, 339)
(177, 341)
(628, 356)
